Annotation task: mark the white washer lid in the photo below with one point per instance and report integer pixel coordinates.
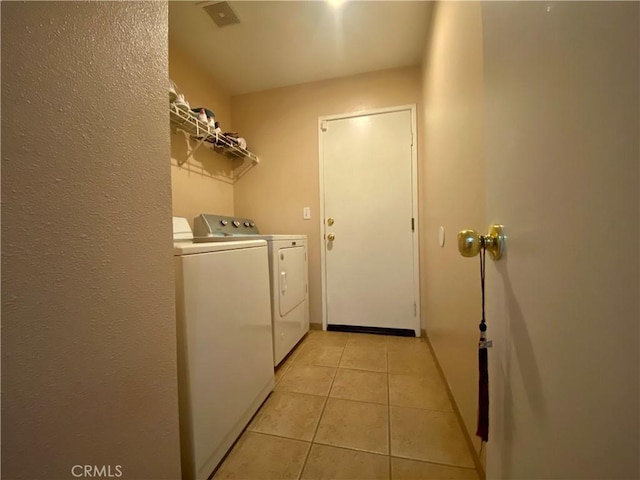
(189, 248)
(181, 229)
(280, 237)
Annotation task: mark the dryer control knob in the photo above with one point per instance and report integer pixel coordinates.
(223, 223)
(236, 223)
(251, 224)
(247, 224)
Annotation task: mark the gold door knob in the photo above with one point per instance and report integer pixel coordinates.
(330, 221)
(470, 242)
(331, 237)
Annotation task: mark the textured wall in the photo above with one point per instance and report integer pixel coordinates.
(88, 330)
(282, 127)
(453, 186)
(201, 184)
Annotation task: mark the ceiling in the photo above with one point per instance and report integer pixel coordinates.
(277, 44)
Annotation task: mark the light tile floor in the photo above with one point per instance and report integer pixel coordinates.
(353, 406)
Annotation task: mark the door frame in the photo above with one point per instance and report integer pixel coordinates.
(414, 200)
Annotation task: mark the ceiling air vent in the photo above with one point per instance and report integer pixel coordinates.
(221, 13)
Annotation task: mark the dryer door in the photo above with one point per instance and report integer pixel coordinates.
(291, 278)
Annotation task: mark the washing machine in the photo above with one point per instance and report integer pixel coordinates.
(225, 344)
(288, 271)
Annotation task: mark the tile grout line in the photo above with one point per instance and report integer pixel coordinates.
(456, 411)
(450, 465)
(324, 406)
(351, 449)
(328, 395)
(298, 350)
(290, 359)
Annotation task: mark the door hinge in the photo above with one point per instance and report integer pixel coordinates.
(412, 138)
(413, 224)
(415, 309)
(323, 126)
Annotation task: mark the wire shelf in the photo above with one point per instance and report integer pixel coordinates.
(187, 122)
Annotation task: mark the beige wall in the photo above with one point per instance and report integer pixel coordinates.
(203, 183)
(281, 126)
(88, 329)
(453, 186)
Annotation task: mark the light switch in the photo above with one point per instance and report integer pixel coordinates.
(306, 213)
(441, 236)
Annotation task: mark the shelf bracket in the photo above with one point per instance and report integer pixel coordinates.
(193, 150)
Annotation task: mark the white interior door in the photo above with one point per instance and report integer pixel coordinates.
(368, 178)
(562, 150)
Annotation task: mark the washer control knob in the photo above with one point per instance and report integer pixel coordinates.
(251, 224)
(236, 223)
(247, 224)
(223, 223)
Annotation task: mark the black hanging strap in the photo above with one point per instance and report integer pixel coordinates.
(483, 362)
(483, 253)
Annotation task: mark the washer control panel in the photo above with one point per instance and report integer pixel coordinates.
(207, 225)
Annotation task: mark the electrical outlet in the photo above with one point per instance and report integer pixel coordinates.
(306, 213)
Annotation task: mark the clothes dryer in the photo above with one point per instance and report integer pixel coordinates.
(288, 272)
